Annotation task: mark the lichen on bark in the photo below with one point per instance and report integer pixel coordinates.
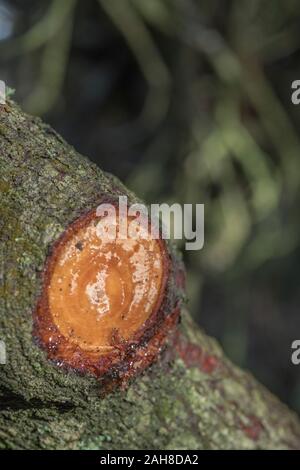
(192, 398)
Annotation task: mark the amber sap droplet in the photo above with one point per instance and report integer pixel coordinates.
(100, 295)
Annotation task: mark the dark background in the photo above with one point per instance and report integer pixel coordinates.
(187, 101)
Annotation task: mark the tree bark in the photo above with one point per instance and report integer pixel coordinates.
(192, 398)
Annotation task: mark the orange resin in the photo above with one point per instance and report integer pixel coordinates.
(102, 296)
(103, 289)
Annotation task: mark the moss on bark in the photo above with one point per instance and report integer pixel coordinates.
(193, 398)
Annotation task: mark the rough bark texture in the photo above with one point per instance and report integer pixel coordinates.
(193, 398)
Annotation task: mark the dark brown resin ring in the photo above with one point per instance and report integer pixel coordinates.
(107, 305)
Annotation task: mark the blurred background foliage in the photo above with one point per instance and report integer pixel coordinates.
(187, 101)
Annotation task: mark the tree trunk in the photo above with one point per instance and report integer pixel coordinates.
(192, 398)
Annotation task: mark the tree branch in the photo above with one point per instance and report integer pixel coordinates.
(191, 398)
